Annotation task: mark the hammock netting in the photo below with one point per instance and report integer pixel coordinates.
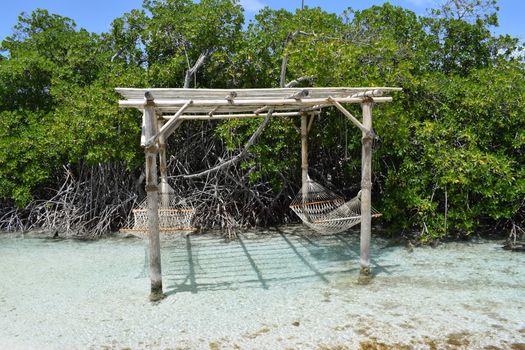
(325, 211)
(175, 217)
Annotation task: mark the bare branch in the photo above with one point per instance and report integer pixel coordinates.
(309, 78)
(117, 54)
(191, 72)
(239, 156)
(284, 64)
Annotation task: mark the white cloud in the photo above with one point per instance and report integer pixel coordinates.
(252, 5)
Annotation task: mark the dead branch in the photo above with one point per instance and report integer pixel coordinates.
(200, 61)
(309, 78)
(284, 64)
(117, 54)
(239, 156)
(91, 201)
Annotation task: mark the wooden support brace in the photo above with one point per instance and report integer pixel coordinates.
(170, 126)
(310, 122)
(349, 116)
(260, 110)
(212, 112)
(304, 151)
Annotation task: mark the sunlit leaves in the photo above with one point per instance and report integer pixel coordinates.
(451, 149)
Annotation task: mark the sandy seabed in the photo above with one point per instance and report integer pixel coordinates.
(283, 290)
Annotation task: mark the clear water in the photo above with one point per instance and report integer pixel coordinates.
(284, 289)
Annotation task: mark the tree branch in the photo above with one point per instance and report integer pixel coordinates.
(239, 156)
(117, 54)
(191, 72)
(299, 80)
(284, 63)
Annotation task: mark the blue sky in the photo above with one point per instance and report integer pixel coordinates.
(96, 15)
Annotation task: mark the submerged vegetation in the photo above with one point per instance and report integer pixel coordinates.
(449, 161)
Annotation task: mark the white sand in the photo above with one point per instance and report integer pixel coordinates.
(273, 292)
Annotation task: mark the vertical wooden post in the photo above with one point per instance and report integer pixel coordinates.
(366, 189)
(304, 151)
(164, 187)
(150, 128)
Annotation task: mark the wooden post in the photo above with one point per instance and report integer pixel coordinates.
(164, 187)
(304, 151)
(366, 188)
(150, 128)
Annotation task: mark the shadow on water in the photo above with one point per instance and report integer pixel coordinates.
(197, 263)
(252, 263)
(303, 259)
(354, 247)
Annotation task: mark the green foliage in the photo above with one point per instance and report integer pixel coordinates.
(58, 105)
(450, 156)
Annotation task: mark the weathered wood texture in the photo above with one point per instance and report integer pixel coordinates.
(221, 101)
(260, 114)
(350, 116)
(150, 128)
(165, 106)
(170, 126)
(304, 151)
(164, 186)
(218, 94)
(366, 189)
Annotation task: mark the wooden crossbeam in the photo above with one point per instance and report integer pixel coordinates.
(305, 102)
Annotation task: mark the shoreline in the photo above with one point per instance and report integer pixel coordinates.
(400, 240)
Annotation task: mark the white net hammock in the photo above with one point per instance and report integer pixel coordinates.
(325, 211)
(175, 217)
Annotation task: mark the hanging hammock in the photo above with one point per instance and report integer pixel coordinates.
(325, 211)
(175, 217)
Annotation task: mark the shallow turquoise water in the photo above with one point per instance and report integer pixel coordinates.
(285, 288)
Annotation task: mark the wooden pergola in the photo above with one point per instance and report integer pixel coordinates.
(164, 110)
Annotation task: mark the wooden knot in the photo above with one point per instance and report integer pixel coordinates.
(231, 96)
(299, 94)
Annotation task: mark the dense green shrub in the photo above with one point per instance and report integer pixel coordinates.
(450, 154)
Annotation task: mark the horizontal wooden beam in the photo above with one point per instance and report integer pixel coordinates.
(195, 94)
(305, 102)
(232, 116)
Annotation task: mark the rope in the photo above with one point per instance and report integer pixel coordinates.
(175, 215)
(325, 211)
